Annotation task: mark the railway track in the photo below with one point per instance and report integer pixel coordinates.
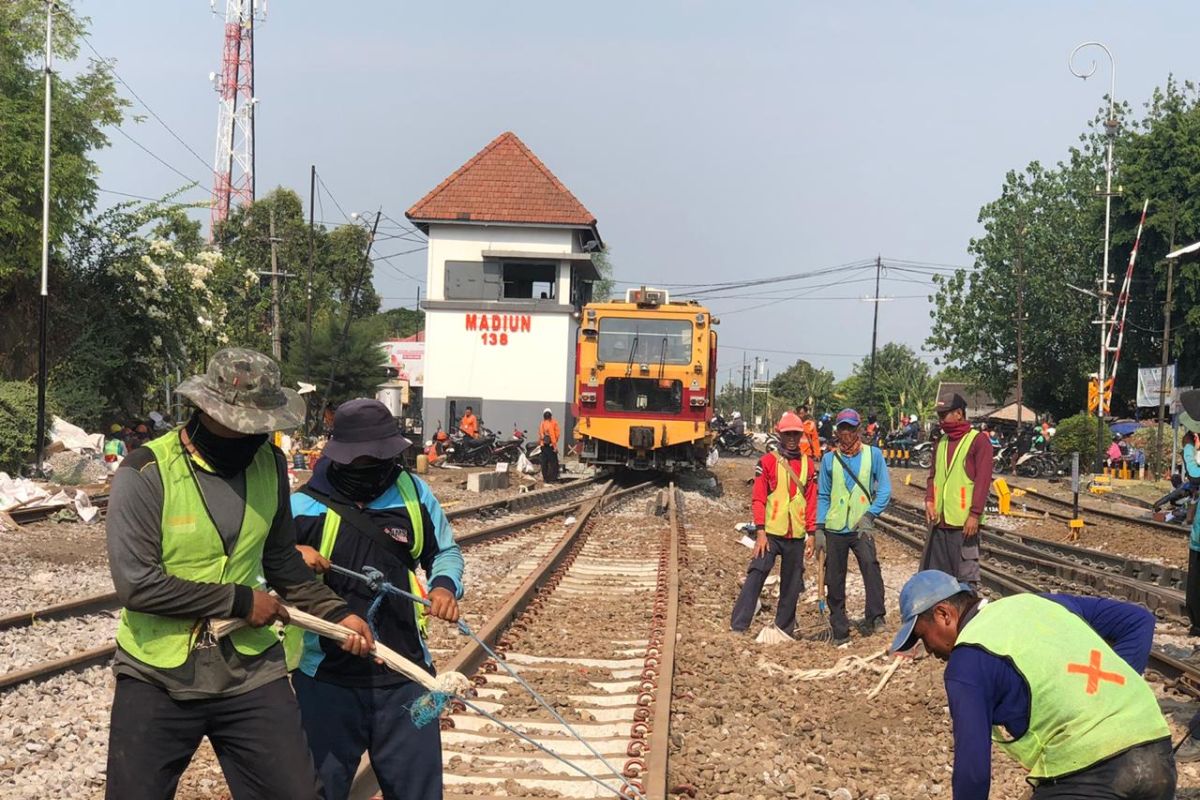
(1014, 573)
(502, 518)
(592, 625)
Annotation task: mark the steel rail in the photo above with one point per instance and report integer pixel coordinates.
(1146, 571)
(1023, 559)
(1179, 674)
(469, 658)
(109, 601)
(527, 499)
(662, 649)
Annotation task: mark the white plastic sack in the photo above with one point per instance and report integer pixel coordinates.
(73, 438)
(17, 492)
(525, 466)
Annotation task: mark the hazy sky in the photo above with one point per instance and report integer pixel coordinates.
(713, 141)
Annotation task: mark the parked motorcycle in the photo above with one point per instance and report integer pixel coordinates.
(922, 455)
(471, 452)
(737, 444)
(508, 450)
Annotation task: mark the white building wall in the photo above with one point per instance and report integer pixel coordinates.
(462, 360)
(449, 242)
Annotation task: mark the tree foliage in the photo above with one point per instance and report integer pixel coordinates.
(1047, 228)
(400, 323)
(1076, 434)
(18, 424)
(904, 385)
(804, 384)
(81, 106)
(357, 366)
(602, 289)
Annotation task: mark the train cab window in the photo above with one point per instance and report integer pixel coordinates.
(529, 281)
(645, 341)
(649, 395)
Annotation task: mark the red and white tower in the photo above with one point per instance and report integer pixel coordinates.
(233, 176)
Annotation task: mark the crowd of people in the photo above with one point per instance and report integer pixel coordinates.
(1054, 680)
(202, 527)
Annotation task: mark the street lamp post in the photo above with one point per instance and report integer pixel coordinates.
(1110, 132)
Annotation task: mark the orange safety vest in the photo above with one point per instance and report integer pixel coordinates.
(785, 511)
(810, 443)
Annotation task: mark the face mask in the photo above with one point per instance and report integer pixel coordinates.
(362, 483)
(226, 457)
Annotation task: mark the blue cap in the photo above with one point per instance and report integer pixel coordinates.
(847, 416)
(922, 592)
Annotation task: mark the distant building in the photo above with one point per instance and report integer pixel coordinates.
(508, 270)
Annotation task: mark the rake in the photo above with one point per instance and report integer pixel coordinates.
(822, 631)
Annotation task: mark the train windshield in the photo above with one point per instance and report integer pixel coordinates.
(643, 394)
(645, 341)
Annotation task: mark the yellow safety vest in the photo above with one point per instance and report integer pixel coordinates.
(785, 511)
(952, 488)
(847, 505)
(1085, 703)
(192, 549)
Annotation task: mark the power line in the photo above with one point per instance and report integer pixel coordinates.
(110, 65)
(160, 160)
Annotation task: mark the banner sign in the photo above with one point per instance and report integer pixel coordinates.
(409, 360)
(1148, 386)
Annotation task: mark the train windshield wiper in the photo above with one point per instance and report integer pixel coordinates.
(662, 359)
(632, 353)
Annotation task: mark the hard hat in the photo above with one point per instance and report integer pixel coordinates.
(736, 415)
(442, 436)
(789, 422)
(547, 411)
(114, 428)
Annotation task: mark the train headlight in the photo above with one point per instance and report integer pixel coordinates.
(587, 397)
(698, 402)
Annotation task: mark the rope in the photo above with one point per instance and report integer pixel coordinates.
(844, 665)
(374, 580)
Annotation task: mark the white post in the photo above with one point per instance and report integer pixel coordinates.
(46, 156)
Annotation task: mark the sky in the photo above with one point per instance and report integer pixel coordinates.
(713, 141)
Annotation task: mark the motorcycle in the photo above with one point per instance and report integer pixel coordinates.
(507, 451)
(738, 444)
(922, 455)
(471, 452)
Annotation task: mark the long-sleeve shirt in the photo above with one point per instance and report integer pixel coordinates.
(1190, 468)
(810, 442)
(441, 560)
(986, 690)
(134, 529)
(879, 484)
(979, 469)
(765, 482)
(549, 427)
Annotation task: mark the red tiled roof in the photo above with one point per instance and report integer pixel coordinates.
(503, 182)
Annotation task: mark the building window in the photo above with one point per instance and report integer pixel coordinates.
(645, 341)
(529, 281)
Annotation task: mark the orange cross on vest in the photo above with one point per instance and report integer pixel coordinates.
(1095, 674)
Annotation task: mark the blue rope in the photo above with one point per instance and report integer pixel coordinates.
(374, 580)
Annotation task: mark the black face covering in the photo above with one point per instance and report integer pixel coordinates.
(226, 457)
(362, 483)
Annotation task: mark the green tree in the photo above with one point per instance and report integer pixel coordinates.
(903, 385)
(400, 323)
(357, 363)
(1076, 434)
(81, 106)
(804, 384)
(1053, 219)
(602, 289)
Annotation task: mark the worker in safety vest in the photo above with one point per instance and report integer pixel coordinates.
(197, 520)
(363, 509)
(548, 439)
(810, 440)
(784, 503)
(853, 489)
(1054, 680)
(469, 424)
(956, 493)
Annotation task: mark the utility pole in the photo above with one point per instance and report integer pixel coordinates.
(1110, 131)
(874, 336)
(276, 338)
(337, 353)
(312, 193)
(742, 405)
(1019, 270)
(44, 309)
(1166, 349)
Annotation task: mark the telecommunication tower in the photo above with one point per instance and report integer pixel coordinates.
(233, 170)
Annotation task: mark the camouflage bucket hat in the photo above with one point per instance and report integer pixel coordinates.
(242, 390)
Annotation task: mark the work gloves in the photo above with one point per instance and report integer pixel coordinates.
(819, 538)
(866, 526)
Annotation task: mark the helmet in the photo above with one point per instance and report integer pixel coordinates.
(115, 428)
(736, 415)
(442, 436)
(789, 422)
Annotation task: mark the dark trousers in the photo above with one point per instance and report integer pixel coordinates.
(256, 735)
(1145, 772)
(949, 550)
(837, 555)
(791, 584)
(1193, 588)
(342, 723)
(549, 464)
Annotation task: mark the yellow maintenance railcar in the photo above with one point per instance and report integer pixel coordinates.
(645, 382)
